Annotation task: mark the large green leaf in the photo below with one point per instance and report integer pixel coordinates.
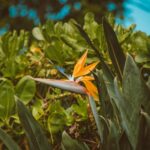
(25, 89)
(129, 119)
(70, 144)
(7, 101)
(116, 54)
(33, 130)
(128, 102)
(134, 94)
(8, 141)
(134, 88)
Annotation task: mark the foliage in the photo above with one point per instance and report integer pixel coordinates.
(119, 120)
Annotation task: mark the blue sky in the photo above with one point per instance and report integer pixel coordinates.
(138, 12)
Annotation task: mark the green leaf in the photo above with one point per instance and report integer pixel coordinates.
(102, 91)
(134, 94)
(13, 46)
(25, 89)
(70, 144)
(34, 132)
(142, 58)
(128, 102)
(7, 101)
(8, 141)
(2, 56)
(71, 42)
(129, 116)
(135, 89)
(96, 117)
(115, 52)
(37, 33)
(56, 122)
(80, 109)
(57, 118)
(37, 109)
(54, 52)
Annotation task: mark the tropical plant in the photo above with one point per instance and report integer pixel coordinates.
(129, 99)
(118, 108)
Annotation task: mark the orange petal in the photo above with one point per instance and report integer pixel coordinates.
(86, 69)
(80, 64)
(89, 78)
(91, 89)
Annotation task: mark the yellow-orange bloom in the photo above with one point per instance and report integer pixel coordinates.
(79, 72)
(79, 75)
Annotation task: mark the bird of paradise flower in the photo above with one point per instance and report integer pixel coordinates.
(79, 75)
(72, 84)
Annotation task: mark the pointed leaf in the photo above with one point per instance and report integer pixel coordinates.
(116, 54)
(96, 117)
(134, 87)
(8, 141)
(33, 130)
(129, 116)
(134, 94)
(103, 94)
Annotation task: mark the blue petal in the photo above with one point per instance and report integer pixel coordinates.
(62, 70)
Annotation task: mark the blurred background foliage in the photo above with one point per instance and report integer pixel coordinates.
(24, 14)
